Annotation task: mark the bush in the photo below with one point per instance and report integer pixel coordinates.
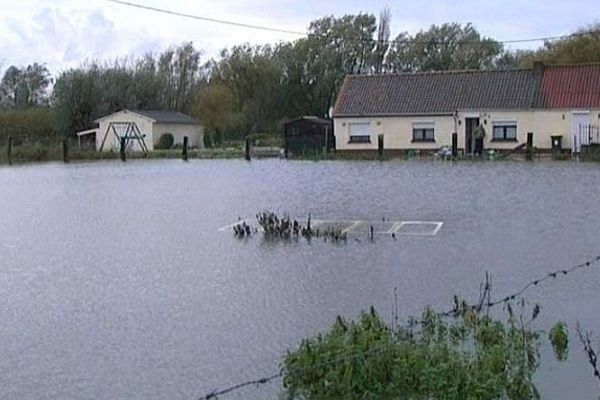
(165, 142)
(28, 125)
(207, 140)
(471, 356)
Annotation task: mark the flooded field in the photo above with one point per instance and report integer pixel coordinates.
(117, 280)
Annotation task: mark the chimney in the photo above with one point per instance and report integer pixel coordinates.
(538, 67)
(538, 74)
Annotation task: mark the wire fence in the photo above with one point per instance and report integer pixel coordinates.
(484, 301)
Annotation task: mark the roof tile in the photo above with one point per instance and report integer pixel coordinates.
(571, 87)
(435, 92)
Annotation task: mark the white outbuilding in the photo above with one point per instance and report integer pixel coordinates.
(143, 129)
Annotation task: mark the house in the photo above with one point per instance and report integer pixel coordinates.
(308, 134)
(559, 105)
(143, 129)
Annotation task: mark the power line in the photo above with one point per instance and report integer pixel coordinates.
(387, 41)
(207, 19)
(450, 313)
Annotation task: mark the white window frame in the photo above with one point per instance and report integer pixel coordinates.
(359, 138)
(423, 128)
(504, 124)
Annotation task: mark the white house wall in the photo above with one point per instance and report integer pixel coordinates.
(398, 134)
(144, 125)
(195, 133)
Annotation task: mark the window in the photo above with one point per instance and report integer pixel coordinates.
(360, 132)
(505, 131)
(423, 132)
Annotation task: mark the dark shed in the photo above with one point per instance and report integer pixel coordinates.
(308, 135)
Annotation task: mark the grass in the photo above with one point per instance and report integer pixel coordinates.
(38, 152)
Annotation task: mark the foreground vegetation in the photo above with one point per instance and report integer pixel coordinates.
(466, 355)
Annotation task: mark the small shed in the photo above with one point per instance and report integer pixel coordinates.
(308, 134)
(144, 129)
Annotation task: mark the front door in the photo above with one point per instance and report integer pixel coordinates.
(580, 130)
(470, 125)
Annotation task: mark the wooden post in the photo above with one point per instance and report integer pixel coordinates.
(65, 150)
(380, 145)
(184, 150)
(123, 144)
(9, 151)
(455, 145)
(247, 149)
(529, 149)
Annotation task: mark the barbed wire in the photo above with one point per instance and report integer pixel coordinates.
(454, 312)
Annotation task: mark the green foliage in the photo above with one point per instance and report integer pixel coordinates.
(214, 106)
(559, 338)
(470, 357)
(92, 90)
(25, 87)
(165, 141)
(444, 47)
(582, 47)
(28, 125)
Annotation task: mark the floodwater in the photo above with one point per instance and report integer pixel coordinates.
(116, 284)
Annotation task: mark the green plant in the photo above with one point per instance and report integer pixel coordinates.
(165, 142)
(559, 338)
(471, 356)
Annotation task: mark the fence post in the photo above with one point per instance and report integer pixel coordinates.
(65, 149)
(123, 144)
(9, 151)
(380, 144)
(455, 145)
(184, 150)
(248, 149)
(529, 149)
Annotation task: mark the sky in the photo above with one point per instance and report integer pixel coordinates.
(65, 33)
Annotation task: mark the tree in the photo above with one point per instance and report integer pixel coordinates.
(167, 81)
(383, 36)
(314, 67)
(252, 76)
(581, 47)
(445, 47)
(25, 87)
(179, 67)
(77, 98)
(214, 105)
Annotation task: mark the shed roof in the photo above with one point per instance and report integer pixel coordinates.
(435, 92)
(168, 117)
(160, 117)
(570, 86)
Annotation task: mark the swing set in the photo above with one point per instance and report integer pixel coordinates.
(126, 134)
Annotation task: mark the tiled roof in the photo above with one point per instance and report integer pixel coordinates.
(570, 87)
(435, 92)
(168, 117)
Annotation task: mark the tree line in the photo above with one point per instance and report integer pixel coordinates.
(254, 89)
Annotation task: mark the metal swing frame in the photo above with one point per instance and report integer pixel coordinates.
(132, 132)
